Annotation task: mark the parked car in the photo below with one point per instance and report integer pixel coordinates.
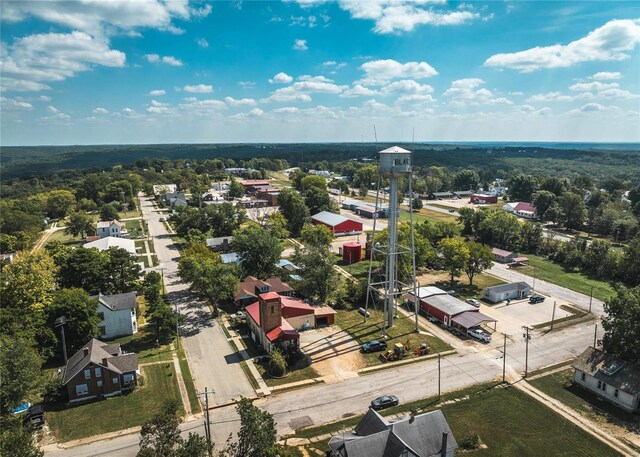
(162, 219)
(240, 315)
(385, 401)
(373, 346)
(474, 302)
(480, 335)
(452, 210)
(35, 416)
(536, 299)
(451, 292)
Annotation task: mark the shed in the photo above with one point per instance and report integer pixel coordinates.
(515, 290)
(502, 255)
(338, 224)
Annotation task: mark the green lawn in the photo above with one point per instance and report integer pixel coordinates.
(134, 228)
(361, 269)
(560, 386)
(403, 332)
(69, 240)
(158, 384)
(509, 423)
(464, 290)
(140, 244)
(144, 344)
(144, 260)
(188, 380)
(551, 272)
(427, 214)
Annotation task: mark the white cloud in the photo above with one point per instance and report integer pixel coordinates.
(592, 86)
(157, 93)
(11, 104)
(281, 78)
(202, 106)
(610, 42)
(359, 90)
(169, 60)
(406, 86)
(468, 92)
(300, 45)
(247, 84)
(606, 75)
(52, 109)
(593, 108)
(319, 78)
(198, 89)
(34, 59)
(239, 102)
(586, 91)
(254, 113)
(99, 17)
(100, 111)
(393, 16)
(380, 72)
(202, 43)
(288, 94)
(43, 98)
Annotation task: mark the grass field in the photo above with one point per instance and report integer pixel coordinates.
(69, 240)
(546, 270)
(560, 386)
(144, 344)
(403, 332)
(426, 214)
(361, 269)
(74, 422)
(509, 423)
(188, 381)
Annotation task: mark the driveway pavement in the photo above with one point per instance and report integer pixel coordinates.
(580, 300)
(212, 361)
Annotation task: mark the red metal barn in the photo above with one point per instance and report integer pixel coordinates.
(338, 224)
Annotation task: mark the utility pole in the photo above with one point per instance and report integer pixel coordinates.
(527, 337)
(504, 359)
(438, 375)
(177, 331)
(590, 299)
(595, 338)
(60, 322)
(553, 314)
(207, 423)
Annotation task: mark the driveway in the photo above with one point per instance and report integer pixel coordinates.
(334, 353)
(212, 361)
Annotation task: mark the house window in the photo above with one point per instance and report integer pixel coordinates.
(82, 389)
(103, 331)
(128, 378)
(615, 393)
(604, 387)
(583, 377)
(273, 309)
(87, 374)
(99, 383)
(98, 373)
(114, 380)
(101, 316)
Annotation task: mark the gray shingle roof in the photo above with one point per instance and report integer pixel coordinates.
(623, 375)
(328, 218)
(118, 302)
(421, 435)
(97, 352)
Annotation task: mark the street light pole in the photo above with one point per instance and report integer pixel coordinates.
(60, 322)
(504, 359)
(527, 337)
(590, 299)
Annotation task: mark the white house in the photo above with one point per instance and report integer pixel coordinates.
(118, 314)
(159, 189)
(103, 244)
(609, 377)
(521, 209)
(112, 228)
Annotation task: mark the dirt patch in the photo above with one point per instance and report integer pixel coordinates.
(333, 352)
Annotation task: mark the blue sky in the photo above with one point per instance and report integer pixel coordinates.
(180, 71)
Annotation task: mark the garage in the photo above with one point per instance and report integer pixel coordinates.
(324, 315)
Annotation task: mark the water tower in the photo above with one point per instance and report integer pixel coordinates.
(394, 163)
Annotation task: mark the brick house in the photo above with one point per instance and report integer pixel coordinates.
(99, 369)
(250, 287)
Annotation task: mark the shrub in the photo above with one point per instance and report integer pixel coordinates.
(471, 442)
(277, 364)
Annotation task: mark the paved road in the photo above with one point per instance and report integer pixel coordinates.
(582, 301)
(331, 402)
(212, 361)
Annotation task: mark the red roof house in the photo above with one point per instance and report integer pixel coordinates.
(250, 287)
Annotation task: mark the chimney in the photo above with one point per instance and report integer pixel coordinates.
(443, 452)
(85, 351)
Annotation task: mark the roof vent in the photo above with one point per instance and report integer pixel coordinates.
(85, 351)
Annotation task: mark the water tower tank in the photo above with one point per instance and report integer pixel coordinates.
(394, 162)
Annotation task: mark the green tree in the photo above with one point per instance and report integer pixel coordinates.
(417, 204)
(208, 276)
(79, 225)
(316, 236)
(630, 263)
(573, 210)
(521, 187)
(480, 259)
(277, 225)
(531, 234)
(81, 314)
(236, 190)
(152, 287)
(499, 228)
(19, 370)
(312, 181)
(542, 200)
(108, 213)
(257, 435)
(162, 318)
(434, 231)
(294, 210)
(621, 324)
(318, 199)
(466, 180)
(160, 437)
(16, 439)
(83, 268)
(223, 219)
(122, 272)
(258, 251)
(319, 278)
(466, 217)
(59, 203)
(454, 255)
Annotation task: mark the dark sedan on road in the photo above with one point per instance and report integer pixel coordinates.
(385, 401)
(373, 346)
